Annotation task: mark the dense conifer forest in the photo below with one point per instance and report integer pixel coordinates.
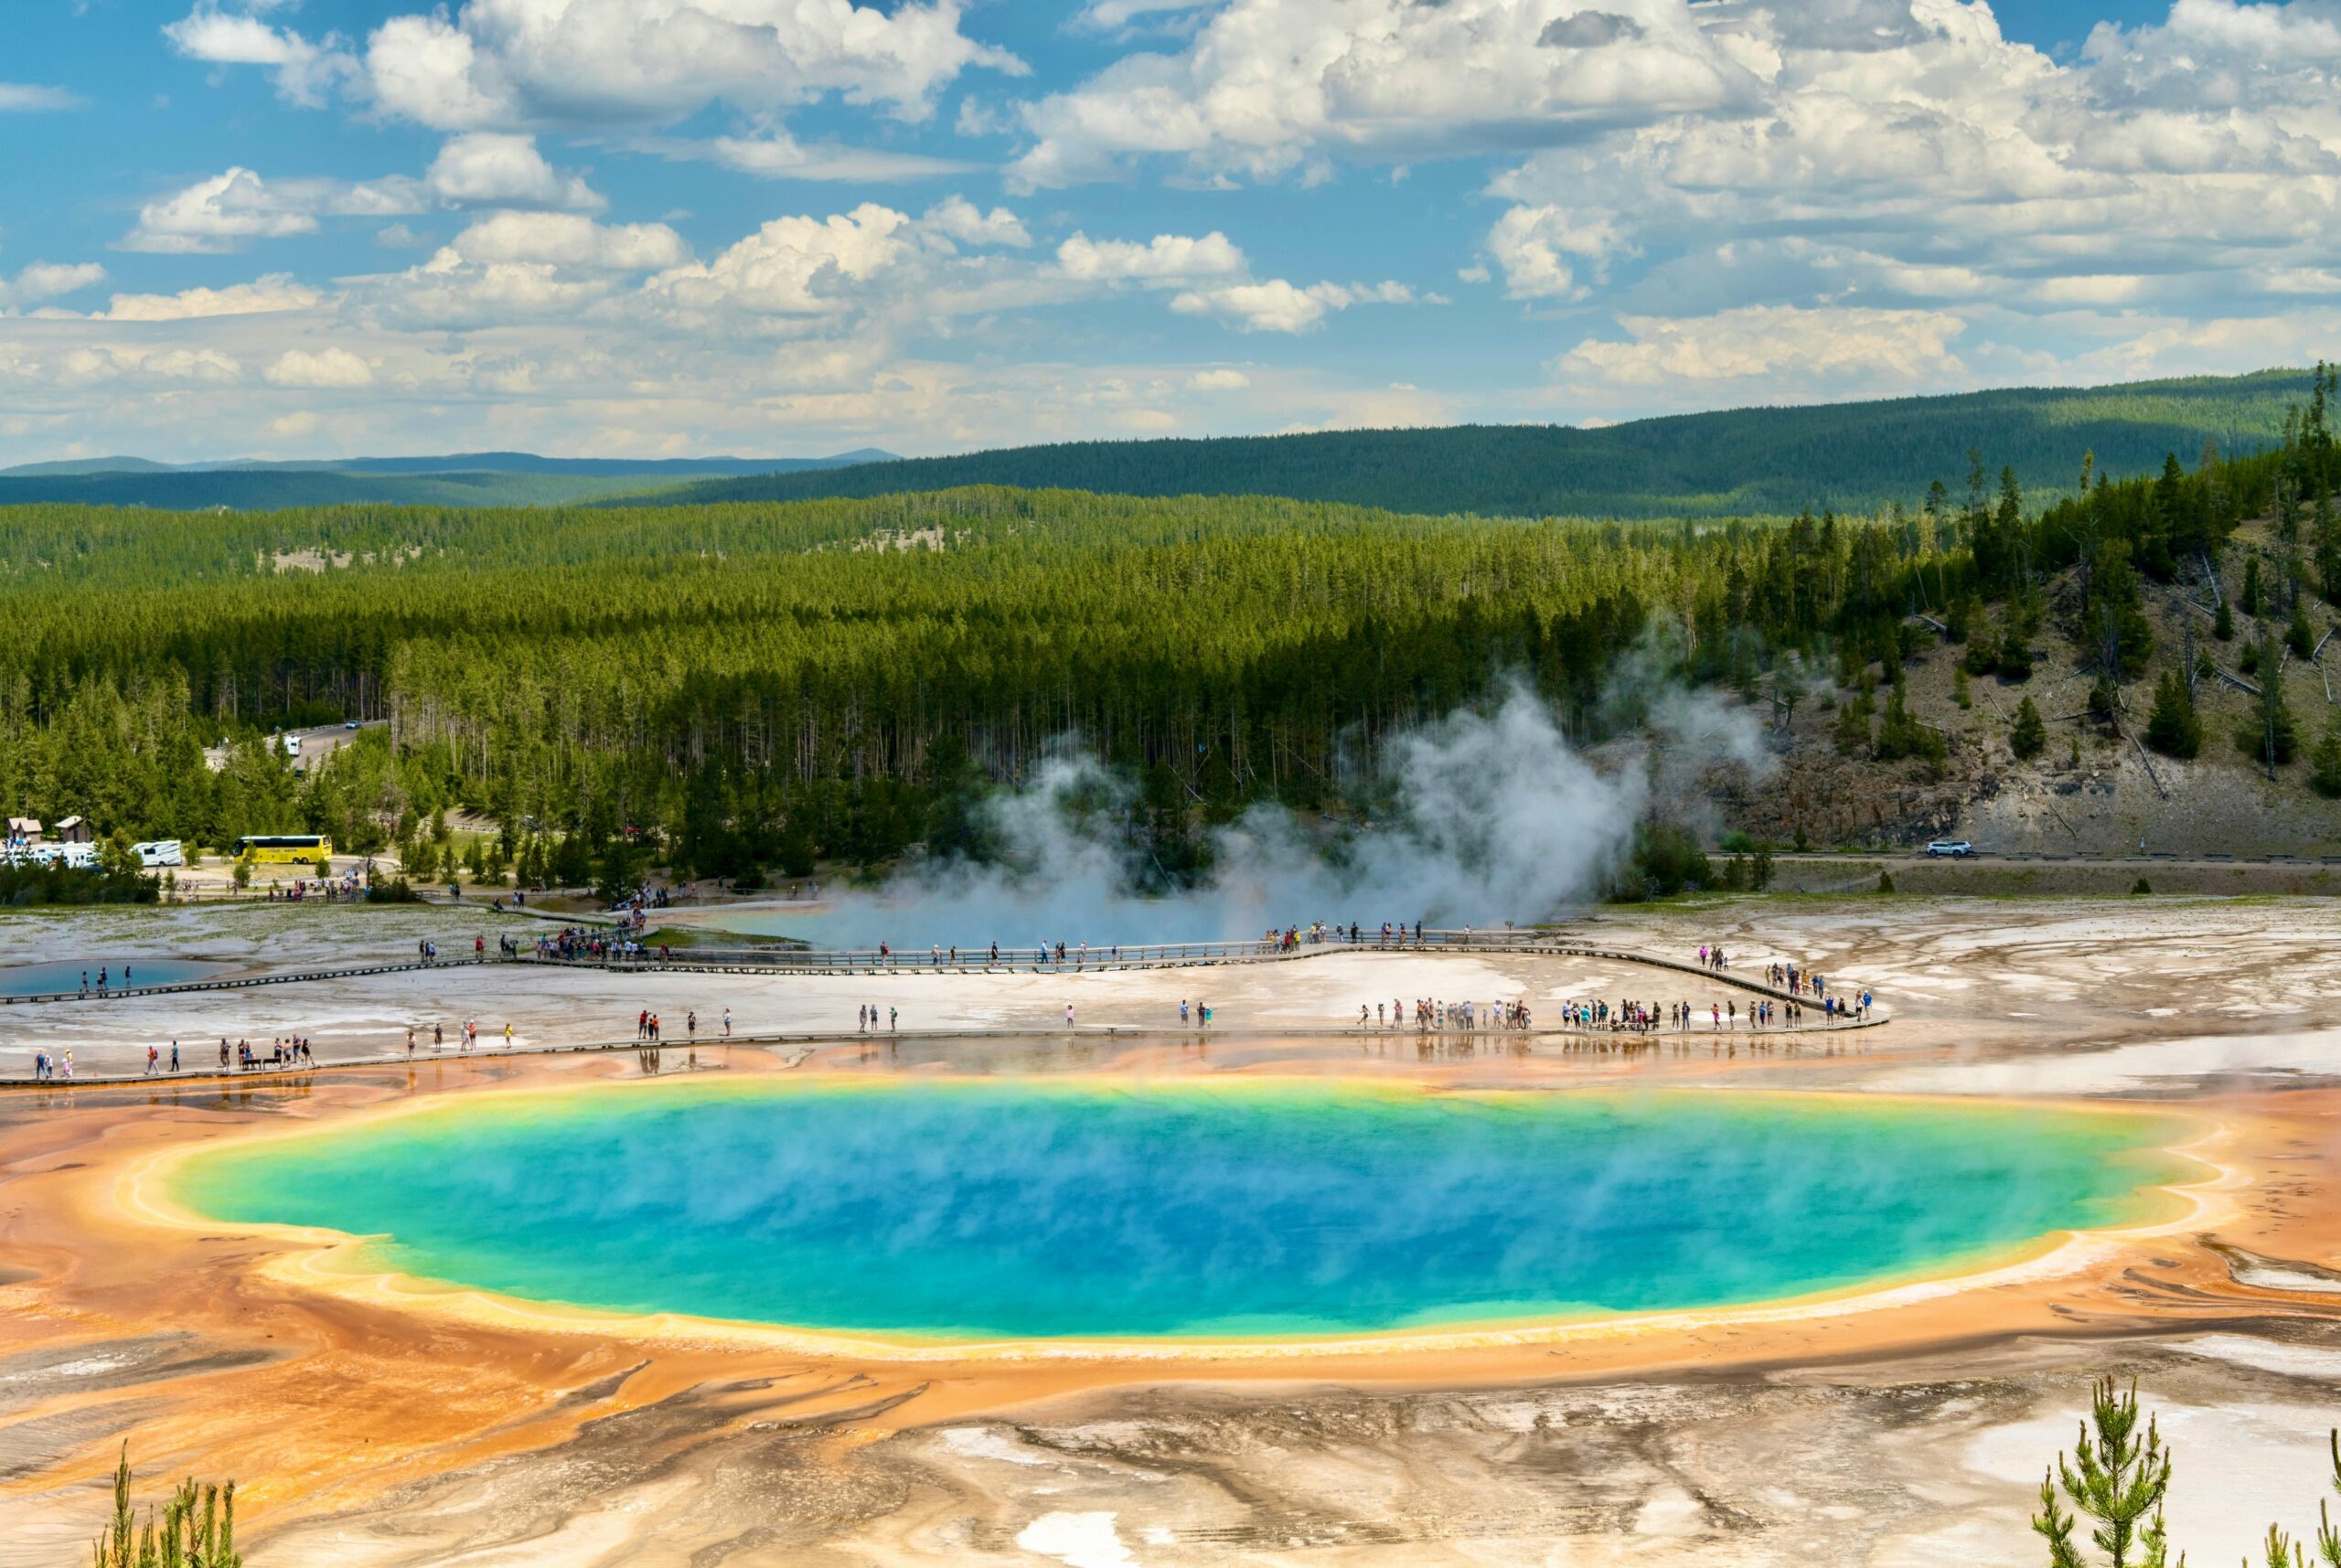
(1743, 462)
(764, 686)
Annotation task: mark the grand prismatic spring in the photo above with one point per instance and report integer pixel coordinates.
(1116, 1209)
(997, 1288)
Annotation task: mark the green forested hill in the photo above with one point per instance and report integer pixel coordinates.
(769, 684)
(1740, 462)
(463, 479)
(267, 489)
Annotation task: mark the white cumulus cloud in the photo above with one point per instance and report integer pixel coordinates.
(1166, 258)
(264, 296)
(791, 265)
(231, 209)
(956, 217)
(533, 63)
(48, 281)
(1788, 351)
(1267, 85)
(1541, 249)
(1277, 305)
(568, 240)
(328, 369)
(305, 72)
(488, 168)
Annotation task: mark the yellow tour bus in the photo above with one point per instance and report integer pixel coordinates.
(282, 849)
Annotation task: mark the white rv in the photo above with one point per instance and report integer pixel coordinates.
(158, 852)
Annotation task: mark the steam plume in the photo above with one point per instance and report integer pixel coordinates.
(1489, 816)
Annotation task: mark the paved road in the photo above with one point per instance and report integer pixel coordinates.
(1993, 856)
(316, 743)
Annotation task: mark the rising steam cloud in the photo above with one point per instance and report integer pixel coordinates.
(1489, 817)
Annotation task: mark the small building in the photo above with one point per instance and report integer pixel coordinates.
(23, 830)
(73, 830)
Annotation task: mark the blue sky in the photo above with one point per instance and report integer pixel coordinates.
(317, 227)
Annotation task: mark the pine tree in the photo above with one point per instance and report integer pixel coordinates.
(1982, 656)
(1852, 727)
(2268, 737)
(2116, 1476)
(2174, 729)
(2324, 774)
(2029, 736)
(1900, 735)
(196, 1529)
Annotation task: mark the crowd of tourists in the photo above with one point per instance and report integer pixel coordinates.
(348, 888)
(1629, 1015)
(589, 944)
(289, 1051)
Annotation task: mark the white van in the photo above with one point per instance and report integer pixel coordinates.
(78, 856)
(155, 852)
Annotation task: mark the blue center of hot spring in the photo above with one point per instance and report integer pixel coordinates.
(1029, 1209)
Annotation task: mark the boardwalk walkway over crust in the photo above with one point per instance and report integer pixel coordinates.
(787, 962)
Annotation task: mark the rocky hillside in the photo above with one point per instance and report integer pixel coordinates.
(2094, 788)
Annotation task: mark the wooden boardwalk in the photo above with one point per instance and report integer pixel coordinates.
(777, 962)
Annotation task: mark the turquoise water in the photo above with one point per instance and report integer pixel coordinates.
(65, 975)
(1043, 1210)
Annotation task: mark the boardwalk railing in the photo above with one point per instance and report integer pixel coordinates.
(242, 982)
(1035, 960)
(1029, 960)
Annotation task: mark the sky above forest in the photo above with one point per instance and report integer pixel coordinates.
(676, 227)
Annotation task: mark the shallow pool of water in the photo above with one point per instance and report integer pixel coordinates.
(69, 974)
(1115, 1209)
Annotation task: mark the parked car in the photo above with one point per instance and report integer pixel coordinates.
(160, 852)
(1957, 847)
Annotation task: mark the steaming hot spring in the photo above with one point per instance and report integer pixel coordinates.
(966, 1210)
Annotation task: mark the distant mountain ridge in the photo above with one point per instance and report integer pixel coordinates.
(78, 465)
(453, 463)
(459, 479)
(1747, 462)
(1736, 462)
